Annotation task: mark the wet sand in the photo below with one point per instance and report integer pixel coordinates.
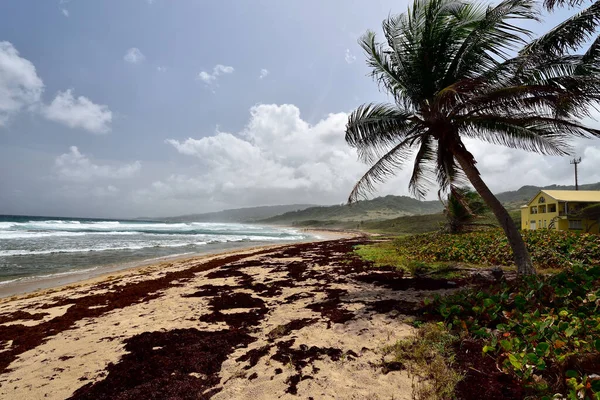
(296, 321)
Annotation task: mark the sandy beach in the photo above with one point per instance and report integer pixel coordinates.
(302, 320)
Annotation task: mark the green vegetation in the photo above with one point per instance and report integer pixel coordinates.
(380, 208)
(549, 248)
(544, 331)
(397, 226)
(406, 225)
(463, 208)
(428, 359)
(381, 254)
(452, 72)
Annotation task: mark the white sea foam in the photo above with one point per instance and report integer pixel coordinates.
(38, 234)
(117, 226)
(139, 245)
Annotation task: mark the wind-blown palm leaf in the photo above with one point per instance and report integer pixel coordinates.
(379, 60)
(590, 62)
(551, 4)
(381, 170)
(568, 35)
(516, 136)
(486, 40)
(421, 177)
(372, 128)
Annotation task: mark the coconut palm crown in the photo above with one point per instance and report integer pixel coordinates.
(454, 72)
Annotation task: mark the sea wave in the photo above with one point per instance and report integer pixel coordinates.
(46, 227)
(37, 234)
(144, 245)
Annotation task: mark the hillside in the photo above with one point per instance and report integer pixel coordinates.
(392, 213)
(250, 214)
(380, 208)
(516, 198)
(370, 212)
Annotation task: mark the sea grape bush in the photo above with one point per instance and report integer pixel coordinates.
(548, 248)
(543, 330)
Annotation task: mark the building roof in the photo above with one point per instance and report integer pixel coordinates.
(589, 196)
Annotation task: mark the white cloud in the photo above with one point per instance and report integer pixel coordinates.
(74, 166)
(263, 73)
(161, 69)
(20, 86)
(218, 70)
(278, 158)
(349, 57)
(134, 56)
(78, 112)
(508, 169)
(65, 12)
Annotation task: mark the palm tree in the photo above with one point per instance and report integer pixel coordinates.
(447, 65)
(462, 209)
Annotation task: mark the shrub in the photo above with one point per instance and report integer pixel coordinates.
(543, 330)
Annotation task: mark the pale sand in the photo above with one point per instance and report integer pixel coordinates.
(81, 354)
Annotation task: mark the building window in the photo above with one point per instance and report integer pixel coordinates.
(544, 223)
(575, 224)
(542, 200)
(534, 210)
(542, 209)
(551, 208)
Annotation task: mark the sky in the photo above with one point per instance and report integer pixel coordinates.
(126, 108)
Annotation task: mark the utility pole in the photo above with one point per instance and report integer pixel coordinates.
(574, 162)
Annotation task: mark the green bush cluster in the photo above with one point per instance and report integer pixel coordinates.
(543, 330)
(548, 248)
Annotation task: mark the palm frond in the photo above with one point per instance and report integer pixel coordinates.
(551, 4)
(382, 68)
(589, 63)
(422, 175)
(491, 38)
(387, 165)
(548, 136)
(373, 128)
(568, 35)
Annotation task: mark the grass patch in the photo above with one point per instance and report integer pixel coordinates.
(406, 225)
(382, 254)
(428, 358)
(387, 254)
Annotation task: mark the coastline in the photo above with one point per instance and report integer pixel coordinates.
(295, 320)
(49, 284)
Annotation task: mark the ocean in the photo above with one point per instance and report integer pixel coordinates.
(42, 247)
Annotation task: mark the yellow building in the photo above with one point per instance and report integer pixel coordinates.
(558, 209)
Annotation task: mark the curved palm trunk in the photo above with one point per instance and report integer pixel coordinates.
(520, 253)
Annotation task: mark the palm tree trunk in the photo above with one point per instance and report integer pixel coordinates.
(520, 253)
